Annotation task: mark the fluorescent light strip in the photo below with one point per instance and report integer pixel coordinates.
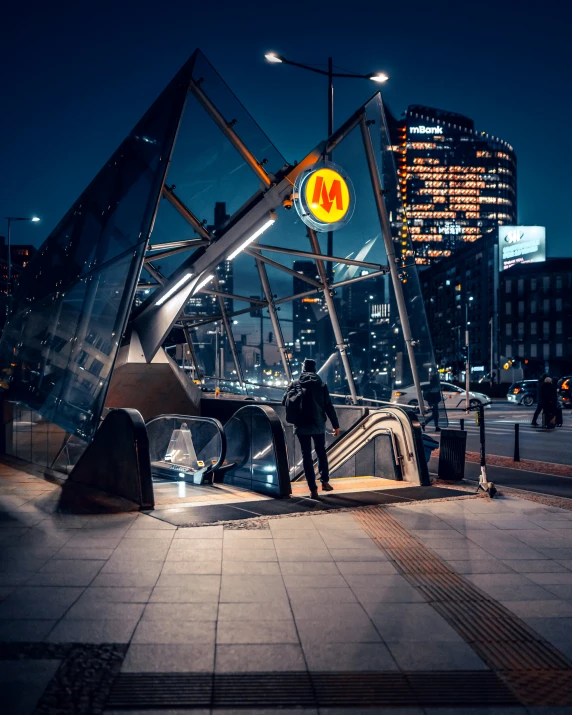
(175, 288)
(252, 238)
(203, 283)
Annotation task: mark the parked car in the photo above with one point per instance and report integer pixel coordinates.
(523, 392)
(453, 396)
(565, 391)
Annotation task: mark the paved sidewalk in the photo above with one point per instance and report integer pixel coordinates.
(120, 612)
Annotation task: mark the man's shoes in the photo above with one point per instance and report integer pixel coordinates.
(327, 487)
(314, 494)
(534, 424)
(437, 429)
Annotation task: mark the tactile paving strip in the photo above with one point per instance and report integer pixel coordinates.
(536, 671)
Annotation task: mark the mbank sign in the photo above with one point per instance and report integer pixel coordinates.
(324, 197)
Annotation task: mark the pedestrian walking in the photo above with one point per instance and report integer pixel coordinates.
(539, 405)
(432, 395)
(549, 397)
(308, 405)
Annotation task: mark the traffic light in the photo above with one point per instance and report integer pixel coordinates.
(270, 337)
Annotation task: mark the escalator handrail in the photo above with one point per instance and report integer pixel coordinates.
(195, 418)
(278, 441)
(300, 474)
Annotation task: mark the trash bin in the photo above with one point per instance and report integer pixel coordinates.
(429, 445)
(452, 454)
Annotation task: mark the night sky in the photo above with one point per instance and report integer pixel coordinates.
(76, 76)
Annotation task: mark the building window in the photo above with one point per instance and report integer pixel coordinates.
(520, 285)
(533, 306)
(533, 350)
(508, 351)
(546, 351)
(546, 306)
(508, 307)
(521, 350)
(558, 282)
(507, 286)
(558, 305)
(558, 327)
(546, 282)
(533, 284)
(508, 328)
(533, 328)
(520, 307)
(546, 328)
(558, 349)
(520, 330)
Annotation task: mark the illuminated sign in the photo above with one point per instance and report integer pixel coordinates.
(324, 197)
(521, 244)
(426, 130)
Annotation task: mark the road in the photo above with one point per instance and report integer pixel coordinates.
(543, 445)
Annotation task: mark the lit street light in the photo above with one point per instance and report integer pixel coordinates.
(378, 77)
(10, 219)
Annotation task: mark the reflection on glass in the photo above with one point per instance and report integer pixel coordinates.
(184, 448)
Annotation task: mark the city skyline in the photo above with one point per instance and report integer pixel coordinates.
(74, 106)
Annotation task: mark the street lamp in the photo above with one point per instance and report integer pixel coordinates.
(378, 77)
(10, 219)
(467, 359)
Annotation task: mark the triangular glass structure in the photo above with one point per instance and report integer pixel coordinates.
(200, 176)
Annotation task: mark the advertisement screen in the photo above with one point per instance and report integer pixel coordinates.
(521, 244)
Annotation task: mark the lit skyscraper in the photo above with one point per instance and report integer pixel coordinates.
(455, 184)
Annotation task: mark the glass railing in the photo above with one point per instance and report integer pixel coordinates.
(185, 448)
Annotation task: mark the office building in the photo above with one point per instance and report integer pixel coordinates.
(307, 312)
(21, 255)
(536, 317)
(455, 184)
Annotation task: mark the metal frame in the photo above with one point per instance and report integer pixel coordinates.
(153, 322)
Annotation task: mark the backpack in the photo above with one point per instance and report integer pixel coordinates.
(294, 403)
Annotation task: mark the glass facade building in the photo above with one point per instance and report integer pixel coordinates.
(456, 184)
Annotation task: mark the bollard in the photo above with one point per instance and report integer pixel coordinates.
(516, 442)
(462, 421)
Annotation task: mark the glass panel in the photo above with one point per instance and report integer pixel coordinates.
(183, 447)
(74, 298)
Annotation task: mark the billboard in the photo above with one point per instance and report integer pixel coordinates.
(521, 244)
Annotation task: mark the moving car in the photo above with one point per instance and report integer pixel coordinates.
(523, 392)
(565, 391)
(453, 396)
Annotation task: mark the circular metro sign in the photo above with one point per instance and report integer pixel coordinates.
(324, 197)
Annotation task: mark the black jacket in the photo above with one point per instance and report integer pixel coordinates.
(317, 405)
(548, 396)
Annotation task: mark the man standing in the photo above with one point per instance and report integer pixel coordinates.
(316, 407)
(539, 405)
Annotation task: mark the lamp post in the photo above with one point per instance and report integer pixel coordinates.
(10, 219)
(468, 358)
(378, 77)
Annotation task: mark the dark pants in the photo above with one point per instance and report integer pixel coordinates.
(307, 460)
(537, 412)
(434, 415)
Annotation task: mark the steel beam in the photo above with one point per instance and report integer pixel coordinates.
(273, 317)
(174, 251)
(328, 299)
(186, 213)
(391, 258)
(280, 267)
(314, 256)
(154, 273)
(243, 298)
(230, 134)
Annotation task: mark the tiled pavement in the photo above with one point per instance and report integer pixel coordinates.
(307, 593)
